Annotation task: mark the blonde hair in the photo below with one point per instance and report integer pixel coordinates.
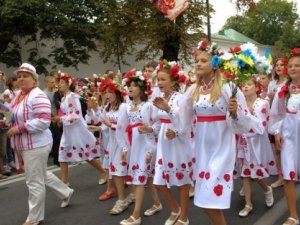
(215, 91)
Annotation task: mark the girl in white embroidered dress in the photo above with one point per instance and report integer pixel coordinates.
(285, 125)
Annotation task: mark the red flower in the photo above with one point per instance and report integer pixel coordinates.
(235, 50)
(292, 175)
(179, 176)
(77, 112)
(264, 123)
(183, 165)
(190, 164)
(167, 178)
(201, 175)
(272, 163)
(129, 178)
(284, 71)
(80, 154)
(133, 167)
(227, 177)
(160, 162)
(124, 163)
(112, 168)
(70, 105)
(94, 151)
(218, 189)
(87, 145)
(264, 111)
(251, 165)
(142, 179)
(181, 79)
(69, 154)
(203, 45)
(87, 154)
(295, 52)
(170, 165)
(207, 175)
(234, 172)
(247, 172)
(174, 70)
(112, 87)
(74, 147)
(193, 159)
(259, 173)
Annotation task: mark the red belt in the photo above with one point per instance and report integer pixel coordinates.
(165, 121)
(129, 130)
(210, 118)
(288, 111)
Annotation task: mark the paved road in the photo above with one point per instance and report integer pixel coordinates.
(85, 209)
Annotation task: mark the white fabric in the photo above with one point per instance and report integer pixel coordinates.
(77, 142)
(174, 160)
(37, 176)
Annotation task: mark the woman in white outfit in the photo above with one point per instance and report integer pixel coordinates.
(31, 137)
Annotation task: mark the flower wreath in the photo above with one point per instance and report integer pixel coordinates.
(67, 77)
(295, 52)
(138, 77)
(211, 48)
(173, 69)
(111, 86)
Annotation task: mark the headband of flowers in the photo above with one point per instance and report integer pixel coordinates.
(138, 77)
(211, 48)
(295, 52)
(66, 77)
(111, 86)
(173, 69)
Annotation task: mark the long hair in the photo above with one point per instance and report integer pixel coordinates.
(143, 88)
(216, 88)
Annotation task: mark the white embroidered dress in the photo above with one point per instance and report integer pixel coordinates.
(174, 161)
(255, 156)
(77, 142)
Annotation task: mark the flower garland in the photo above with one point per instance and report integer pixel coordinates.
(204, 45)
(67, 77)
(138, 77)
(173, 69)
(111, 86)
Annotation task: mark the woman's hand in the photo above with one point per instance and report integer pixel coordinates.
(278, 141)
(170, 134)
(232, 107)
(106, 121)
(144, 129)
(12, 131)
(162, 104)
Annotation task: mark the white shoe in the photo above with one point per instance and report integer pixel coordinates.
(269, 197)
(171, 222)
(187, 222)
(291, 219)
(245, 211)
(130, 198)
(242, 193)
(66, 201)
(133, 222)
(154, 209)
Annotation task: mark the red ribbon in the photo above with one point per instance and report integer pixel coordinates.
(165, 121)
(129, 130)
(210, 118)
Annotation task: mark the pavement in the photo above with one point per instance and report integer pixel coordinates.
(86, 209)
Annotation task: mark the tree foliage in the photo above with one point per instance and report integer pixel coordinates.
(270, 21)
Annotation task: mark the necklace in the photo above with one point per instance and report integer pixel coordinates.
(294, 88)
(205, 87)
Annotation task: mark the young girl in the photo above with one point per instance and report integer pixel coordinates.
(117, 164)
(141, 146)
(174, 160)
(218, 115)
(77, 143)
(277, 83)
(284, 123)
(255, 156)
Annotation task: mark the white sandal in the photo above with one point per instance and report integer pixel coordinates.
(245, 211)
(187, 222)
(154, 209)
(119, 207)
(133, 222)
(171, 222)
(291, 219)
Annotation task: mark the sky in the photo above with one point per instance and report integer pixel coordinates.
(224, 9)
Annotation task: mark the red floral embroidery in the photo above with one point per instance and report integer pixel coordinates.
(201, 175)
(87, 145)
(74, 147)
(142, 179)
(137, 166)
(160, 162)
(227, 177)
(148, 167)
(267, 171)
(124, 163)
(271, 163)
(133, 167)
(70, 105)
(264, 111)
(94, 151)
(97, 142)
(247, 172)
(87, 154)
(179, 176)
(183, 165)
(80, 154)
(218, 189)
(106, 152)
(112, 168)
(234, 172)
(61, 148)
(207, 175)
(264, 123)
(190, 164)
(69, 154)
(77, 112)
(129, 178)
(167, 178)
(191, 175)
(292, 175)
(193, 159)
(170, 165)
(251, 165)
(259, 173)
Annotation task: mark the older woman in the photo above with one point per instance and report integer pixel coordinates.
(31, 138)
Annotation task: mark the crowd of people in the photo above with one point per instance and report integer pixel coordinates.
(160, 127)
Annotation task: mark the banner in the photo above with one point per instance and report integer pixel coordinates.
(171, 8)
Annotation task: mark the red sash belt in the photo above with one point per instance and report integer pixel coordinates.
(165, 121)
(129, 130)
(112, 122)
(210, 118)
(288, 111)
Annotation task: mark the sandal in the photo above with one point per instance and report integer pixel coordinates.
(119, 207)
(154, 209)
(291, 221)
(277, 184)
(175, 215)
(245, 211)
(107, 195)
(187, 222)
(133, 221)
